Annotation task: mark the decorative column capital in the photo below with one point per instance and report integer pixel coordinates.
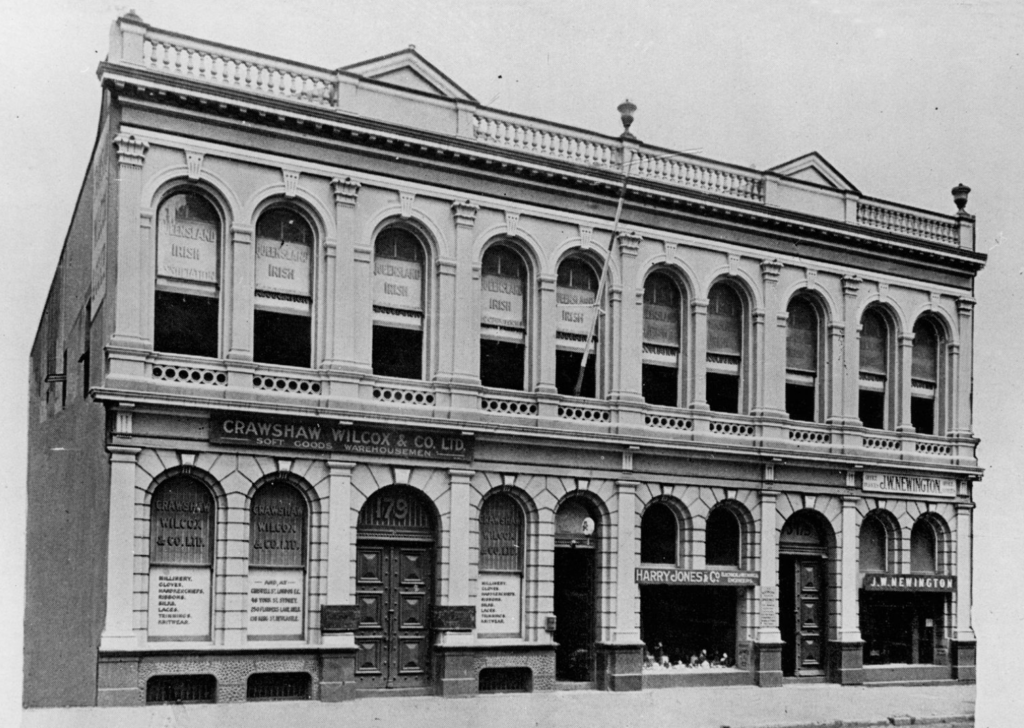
(700, 306)
(629, 243)
(851, 285)
(770, 270)
(464, 213)
(344, 468)
(345, 191)
(131, 152)
(906, 340)
(965, 306)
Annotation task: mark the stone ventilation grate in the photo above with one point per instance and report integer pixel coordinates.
(881, 443)
(668, 423)
(932, 448)
(584, 414)
(181, 689)
(506, 680)
(732, 428)
(810, 436)
(508, 406)
(278, 686)
(398, 395)
(285, 384)
(189, 375)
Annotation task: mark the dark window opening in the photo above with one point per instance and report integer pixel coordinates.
(722, 539)
(64, 382)
(185, 324)
(800, 402)
(922, 415)
(922, 549)
(723, 392)
(181, 689)
(660, 385)
(872, 409)
(688, 624)
(567, 371)
(873, 545)
(278, 686)
(900, 628)
(281, 338)
(397, 352)
(506, 680)
(502, 364)
(86, 374)
(658, 535)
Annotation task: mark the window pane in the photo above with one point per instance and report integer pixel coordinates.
(398, 271)
(926, 358)
(181, 524)
(661, 311)
(575, 280)
(397, 352)
(802, 337)
(922, 415)
(501, 364)
(660, 385)
(658, 539)
(280, 338)
(800, 402)
(873, 344)
(725, 314)
(504, 285)
(277, 527)
(567, 370)
(872, 545)
(501, 535)
(185, 324)
(188, 240)
(872, 409)
(284, 243)
(722, 539)
(723, 392)
(922, 548)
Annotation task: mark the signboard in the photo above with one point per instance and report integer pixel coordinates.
(909, 583)
(398, 284)
(181, 524)
(277, 527)
(179, 602)
(186, 245)
(282, 267)
(500, 603)
(769, 606)
(691, 577)
(501, 534)
(276, 597)
(502, 302)
(454, 619)
(339, 617)
(910, 485)
(327, 436)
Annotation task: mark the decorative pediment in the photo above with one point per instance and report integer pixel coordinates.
(408, 69)
(815, 169)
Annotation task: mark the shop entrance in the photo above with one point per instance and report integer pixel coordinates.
(803, 588)
(575, 590)
(394, 591)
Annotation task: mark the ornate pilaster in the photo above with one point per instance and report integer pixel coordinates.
(348, 293)
(547, 323)
(117, 627)
(698, 394)
(850, 366)
(460, 359)
(628, 321)
(770, 389)
(906, 363)
(128, 325)
(238, 294)
(964, 376)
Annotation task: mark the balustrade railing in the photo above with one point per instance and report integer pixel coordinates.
(914, 224)
(546, 140)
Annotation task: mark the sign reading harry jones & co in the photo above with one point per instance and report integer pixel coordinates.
(327, 436)
(692, 577)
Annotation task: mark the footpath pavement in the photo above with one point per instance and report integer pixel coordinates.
(792, 706)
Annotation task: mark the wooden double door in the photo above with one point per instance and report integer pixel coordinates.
(394, 591)
(803, 615)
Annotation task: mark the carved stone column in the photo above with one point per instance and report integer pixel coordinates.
(350, 318)
(768, 649)
(951, 388)
(902, 390)
(770, 393)
(851, 364)
(464, 357)
(629, 324)
(237, 297)
(698, 382)
(546, 323)
(964, 640)
(117, 627)
(835, 374)
(131, 154)
(965, 375)
(848, 652)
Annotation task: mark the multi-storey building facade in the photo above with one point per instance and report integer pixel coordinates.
(305, 418)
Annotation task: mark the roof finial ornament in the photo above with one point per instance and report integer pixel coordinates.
(960, 193)
(626, 110)
(412, 46)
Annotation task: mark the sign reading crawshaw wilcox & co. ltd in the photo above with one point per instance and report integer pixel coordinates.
(314, 435)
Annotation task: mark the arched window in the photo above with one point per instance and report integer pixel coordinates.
(722, 539)
(398, 305)
(277, 562)
(283, 296)
(186, 310)
(503, 319)
(500, 586)
(725, 348)
(659, 535)
(662, 341)
(181, 538)
(802, 361)
(874, 370)
(576, 296)
(923, 554)
(924, 377)
(873, 545)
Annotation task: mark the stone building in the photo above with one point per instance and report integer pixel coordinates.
(305, 416)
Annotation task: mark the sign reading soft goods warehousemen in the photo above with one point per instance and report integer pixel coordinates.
(693, 577)
(328, 436)
(910, 485)
(909, 583)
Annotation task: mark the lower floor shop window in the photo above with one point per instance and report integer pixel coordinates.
(688, 626)
(900, 628)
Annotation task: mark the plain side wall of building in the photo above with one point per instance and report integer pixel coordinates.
(68, 492)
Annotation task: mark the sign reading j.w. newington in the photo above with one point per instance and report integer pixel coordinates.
(227, 428)
(910, 485)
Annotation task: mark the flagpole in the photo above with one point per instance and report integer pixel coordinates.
(626, 109)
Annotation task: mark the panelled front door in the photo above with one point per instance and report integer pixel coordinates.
(802, 615)
(393, 590)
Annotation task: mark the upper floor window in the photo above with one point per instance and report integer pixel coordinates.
(802, 361)
(503, 319)
(398, 305)
(576, 296)
(662, 339)
(923, 552)
(186, 311)
(924, 378)
(659, 537)
(873, 545)
(874, 370)
(722, 538)
(725, 348)
(278, 529)
(283, 295)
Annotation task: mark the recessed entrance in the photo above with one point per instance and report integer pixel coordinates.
(394, 591)
(575, 590)
(803, 587)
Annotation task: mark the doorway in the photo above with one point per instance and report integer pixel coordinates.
(803, 592)
(394, 591)
(575, 590)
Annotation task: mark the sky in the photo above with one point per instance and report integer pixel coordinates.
(905, 98)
